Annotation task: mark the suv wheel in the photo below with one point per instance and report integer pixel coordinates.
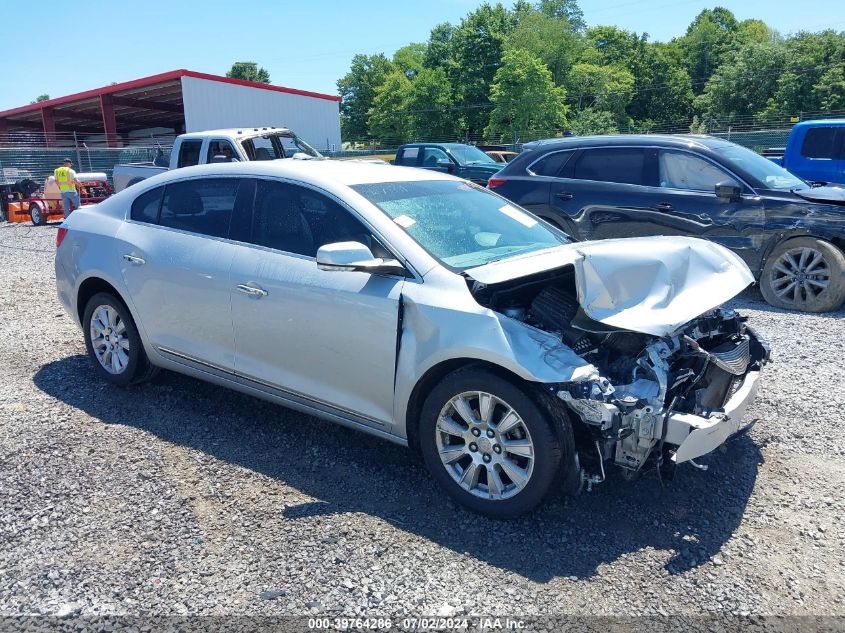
(489, 445)
(113, 342)
(804, 274)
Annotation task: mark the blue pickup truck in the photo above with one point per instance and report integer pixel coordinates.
(815, 151)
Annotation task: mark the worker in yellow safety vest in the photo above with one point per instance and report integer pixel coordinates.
(68, 185)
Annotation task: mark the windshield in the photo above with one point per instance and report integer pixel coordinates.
(280, 145)
(469, 155)
(771, 175)
(460, 223)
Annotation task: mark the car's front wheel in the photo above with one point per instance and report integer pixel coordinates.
(113, 343)
(489, 445)
(805, 273)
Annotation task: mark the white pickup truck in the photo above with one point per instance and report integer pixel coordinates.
(218, 146)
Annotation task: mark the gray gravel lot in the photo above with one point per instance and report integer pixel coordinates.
(177, 497)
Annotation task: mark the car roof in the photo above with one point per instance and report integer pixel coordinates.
(662, 140)
(235, 132)
(822, 123)
(316, 172)
(434, 144)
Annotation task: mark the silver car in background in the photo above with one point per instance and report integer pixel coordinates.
(422, 309)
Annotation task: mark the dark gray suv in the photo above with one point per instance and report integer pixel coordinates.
(789, 233)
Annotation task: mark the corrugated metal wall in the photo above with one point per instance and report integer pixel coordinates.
(212, 104)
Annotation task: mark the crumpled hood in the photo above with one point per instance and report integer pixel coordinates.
(652, 285)
(829, 195)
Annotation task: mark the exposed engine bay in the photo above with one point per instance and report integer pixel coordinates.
(670, 398)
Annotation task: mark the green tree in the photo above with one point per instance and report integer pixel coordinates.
(707, 43)
(388, 116)
(743, 85)
(478, 44)
(588, 121)
(663, 88)
(525, 97)
(410, 59)
(612, 46)
(430, 107)
(552, 39)
(357, 89)
(249, 71)
(813, 67)
(607, 88)
(439, 52)
(566, 10)
(41, 98)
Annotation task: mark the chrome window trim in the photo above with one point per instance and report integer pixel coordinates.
(393, 250)
(655, 147)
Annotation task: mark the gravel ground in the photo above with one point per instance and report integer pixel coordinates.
(177, 497)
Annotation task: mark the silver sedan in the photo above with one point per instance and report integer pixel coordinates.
(422, 309)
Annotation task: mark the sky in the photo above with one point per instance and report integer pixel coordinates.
(306, 44)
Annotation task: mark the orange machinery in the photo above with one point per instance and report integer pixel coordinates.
(46, 205)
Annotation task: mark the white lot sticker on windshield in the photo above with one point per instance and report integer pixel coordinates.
(404, 221)
(519, 216)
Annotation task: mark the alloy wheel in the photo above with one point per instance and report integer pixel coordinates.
(485, 446)
(799, 275)
(109, 339)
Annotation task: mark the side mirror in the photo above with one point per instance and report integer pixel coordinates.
(728, 190)
(220, 158)
(354, 256)
(445, 164)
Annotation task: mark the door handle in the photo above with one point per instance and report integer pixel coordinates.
(134, 260)
(664, 206)
(252, 291)
(564, 195)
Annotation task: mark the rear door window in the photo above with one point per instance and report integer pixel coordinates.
(202, 206)
(146, 206)
(823, 142)
(624, 165)
(551, 164)
(189, 153)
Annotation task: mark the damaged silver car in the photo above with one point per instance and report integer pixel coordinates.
(422, 309)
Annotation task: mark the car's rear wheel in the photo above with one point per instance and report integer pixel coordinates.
(806, 274)
(488, 444)
(113, 343)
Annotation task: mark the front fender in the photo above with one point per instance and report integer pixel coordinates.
(432, 335)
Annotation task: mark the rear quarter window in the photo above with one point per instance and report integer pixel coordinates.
(551, 164)
(146, 206)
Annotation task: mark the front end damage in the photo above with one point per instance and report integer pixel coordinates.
(659, 392)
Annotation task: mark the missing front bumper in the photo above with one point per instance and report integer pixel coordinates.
(697, 435)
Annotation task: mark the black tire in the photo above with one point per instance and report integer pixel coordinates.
(37, 214)
(134, 181)
(548, 449)
(138, 368)
(774, 280)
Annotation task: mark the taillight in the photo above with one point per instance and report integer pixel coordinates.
(60, 235)
(495, 182)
